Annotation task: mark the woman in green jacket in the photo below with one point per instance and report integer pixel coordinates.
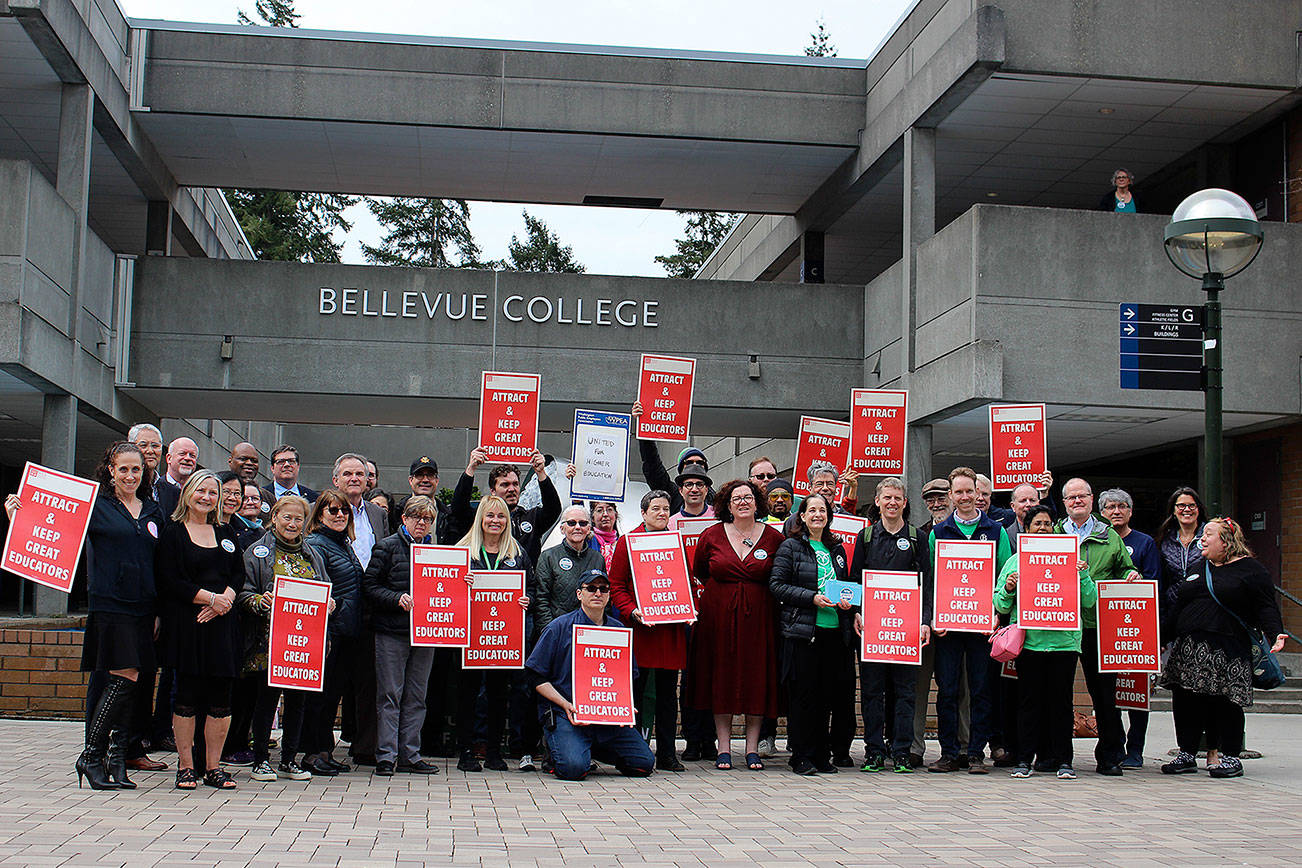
(1046, 670)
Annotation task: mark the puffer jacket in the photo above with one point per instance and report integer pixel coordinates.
(794, 583)
(345, 575)
(387, 578)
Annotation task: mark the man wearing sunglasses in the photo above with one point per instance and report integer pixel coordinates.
(658, 478)
(561, 567)
(549, 668)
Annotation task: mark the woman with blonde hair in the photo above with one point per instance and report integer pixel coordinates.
(1209, 670)
(492, 547)
(197, 570)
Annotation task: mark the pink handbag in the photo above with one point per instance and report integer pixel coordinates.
(1006, 643)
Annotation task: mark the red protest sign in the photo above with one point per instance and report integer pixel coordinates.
(892, 618)
(1048, 584)
(690, 529)
(846, 527)
(297, 646)
(665, 392)
(877, 431)
(1018, 452)
(508, 416)
(602, 675)
(1128, 631)
(49, 529)
(440, 596)
(496, 621)
(661, 584)
(1008, 669)
(819, 440)
(965, 586)
(1133, 691)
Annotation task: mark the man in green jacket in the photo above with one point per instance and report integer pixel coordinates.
(1108, 560)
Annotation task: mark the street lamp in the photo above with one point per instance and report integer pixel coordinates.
(1213, 234)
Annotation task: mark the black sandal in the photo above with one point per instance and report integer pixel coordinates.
(218, 779)
(185, 779)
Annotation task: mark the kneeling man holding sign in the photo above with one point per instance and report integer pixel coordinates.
(583, 675)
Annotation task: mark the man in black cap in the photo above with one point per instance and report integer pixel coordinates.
(781, 495)
(423, 479)
(574, 746)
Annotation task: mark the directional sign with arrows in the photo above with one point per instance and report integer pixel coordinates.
(1161, 346)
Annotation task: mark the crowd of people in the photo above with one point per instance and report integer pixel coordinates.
(181, 567)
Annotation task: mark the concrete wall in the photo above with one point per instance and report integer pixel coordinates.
(293, 364)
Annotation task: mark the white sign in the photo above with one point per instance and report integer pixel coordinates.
(601, 455)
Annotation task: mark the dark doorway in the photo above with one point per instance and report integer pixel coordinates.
(1257, 499)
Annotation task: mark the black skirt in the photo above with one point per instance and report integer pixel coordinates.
(116, 641)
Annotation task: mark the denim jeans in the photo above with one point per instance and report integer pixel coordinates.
(574, 747)
(956, 653)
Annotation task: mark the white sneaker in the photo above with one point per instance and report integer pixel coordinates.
(768, 748)
(526, 763)
(263, 772)
(291, 771)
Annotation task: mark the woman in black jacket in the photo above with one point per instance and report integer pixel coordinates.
(818, 659)
(120, 542)
(1209, 669)
(401, 670)
(330, 533)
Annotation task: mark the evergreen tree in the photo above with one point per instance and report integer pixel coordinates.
(285, 225)
(420, 232)
(704, 231)
(820, 42)
(540, 251)
(276, 13)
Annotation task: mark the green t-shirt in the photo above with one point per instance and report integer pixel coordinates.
(826, 573)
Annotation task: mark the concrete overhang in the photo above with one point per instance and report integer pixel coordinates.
(416, 359)
(378, 114)
(1032, 103)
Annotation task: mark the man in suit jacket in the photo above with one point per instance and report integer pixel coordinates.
(182, 459)
(284, 477)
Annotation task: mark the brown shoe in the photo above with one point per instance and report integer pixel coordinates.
(977, 766)
(944, 764)
(145, 764)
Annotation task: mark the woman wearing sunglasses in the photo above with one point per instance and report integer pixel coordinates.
(330, 533)
(559, 569)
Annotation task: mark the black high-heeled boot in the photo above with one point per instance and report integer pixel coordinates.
(110, 711)
(117, 758)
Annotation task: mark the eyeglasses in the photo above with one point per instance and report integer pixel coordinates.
(337, 510)
(1186, 507)
(576, 522)
(763, 476)
(419, 519)
(745, 498)
(597, 589)
(780, 496)
(279, 461)
(693, 483)
(1075, 497)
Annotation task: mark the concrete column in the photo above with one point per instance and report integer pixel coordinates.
(917, 469)
(76, 133)
(919, 225)
(158, 229)
(811, 257)
(58, 450)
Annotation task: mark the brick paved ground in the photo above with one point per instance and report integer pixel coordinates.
(702, 817)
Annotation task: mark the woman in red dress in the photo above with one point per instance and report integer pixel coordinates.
(660, 649)
(734, 649)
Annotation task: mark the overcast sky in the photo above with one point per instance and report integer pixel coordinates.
(606, 240)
